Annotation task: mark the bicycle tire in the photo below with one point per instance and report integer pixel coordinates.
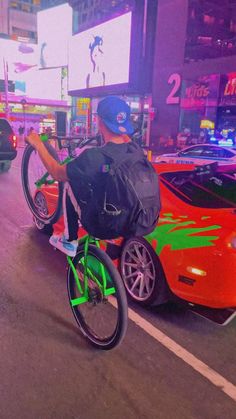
(47, 218)
(121, 312)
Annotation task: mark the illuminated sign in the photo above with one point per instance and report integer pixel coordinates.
(201, 92)
(54, 31)
(100, 56)
(206, 123)
(19, 58)
(197, 90)
(228, 89)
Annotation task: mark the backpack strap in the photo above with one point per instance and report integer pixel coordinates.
(134, 153)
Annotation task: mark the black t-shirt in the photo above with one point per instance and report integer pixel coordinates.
(91, 165)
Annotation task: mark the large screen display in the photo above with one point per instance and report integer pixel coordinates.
(100, 56)
(54, 31)
(20, 58)
(44, 84)
(22, 69)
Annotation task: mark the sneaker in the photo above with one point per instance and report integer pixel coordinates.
(65, 246)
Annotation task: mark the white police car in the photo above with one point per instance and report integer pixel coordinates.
(199, 154)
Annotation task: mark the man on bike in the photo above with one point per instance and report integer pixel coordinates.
(115, 127)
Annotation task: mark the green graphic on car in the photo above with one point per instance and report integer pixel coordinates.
(179, 235)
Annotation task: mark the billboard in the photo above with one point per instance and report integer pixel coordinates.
(20, 58)
(44, 84)
(54, 27)
(100, 56)
(21, 68)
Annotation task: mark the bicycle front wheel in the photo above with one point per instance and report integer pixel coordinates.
(44, 199)
(98, 303)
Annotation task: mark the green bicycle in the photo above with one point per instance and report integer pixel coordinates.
(96, 292)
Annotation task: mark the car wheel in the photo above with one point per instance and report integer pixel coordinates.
(41, 203)
(142, 273)
(5, 166)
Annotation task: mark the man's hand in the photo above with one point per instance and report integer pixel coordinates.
(34, 139)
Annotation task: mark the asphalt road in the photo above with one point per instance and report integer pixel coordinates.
(49, 371)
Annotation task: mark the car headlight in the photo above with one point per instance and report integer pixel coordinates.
(196, 271)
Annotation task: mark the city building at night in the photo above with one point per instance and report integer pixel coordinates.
(18, 19)
(194, 68)
(116, 39)
(193, 51)
(174, 62)
(33, 79)
(46, 4)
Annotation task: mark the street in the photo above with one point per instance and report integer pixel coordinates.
(48, 370)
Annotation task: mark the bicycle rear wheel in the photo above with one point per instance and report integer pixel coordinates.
(101, 316)
(45, 201)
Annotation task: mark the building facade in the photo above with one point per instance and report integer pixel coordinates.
(182, 73)
(194, 79)
(193, 84)
(18, 19)
(32, 94)
(89, 13)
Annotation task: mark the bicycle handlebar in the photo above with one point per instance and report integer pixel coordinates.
(76, 141)
(71, 142)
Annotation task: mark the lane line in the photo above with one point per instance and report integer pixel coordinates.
(211, 375)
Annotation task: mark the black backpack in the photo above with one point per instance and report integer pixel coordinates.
(129, 204)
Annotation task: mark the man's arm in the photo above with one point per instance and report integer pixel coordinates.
(57, 171)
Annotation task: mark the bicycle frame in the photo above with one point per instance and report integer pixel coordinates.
(85, 241)
(43, 180)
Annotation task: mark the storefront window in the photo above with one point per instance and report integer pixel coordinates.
(211, 30)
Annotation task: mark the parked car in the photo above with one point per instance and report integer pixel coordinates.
(191, 254)
(8, 144)
(200, 154)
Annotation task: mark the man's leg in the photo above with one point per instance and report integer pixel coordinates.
(71, 220)
(68, 243)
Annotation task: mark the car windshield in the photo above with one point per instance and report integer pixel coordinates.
(214, 190)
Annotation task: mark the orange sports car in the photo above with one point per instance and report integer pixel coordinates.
(192, 252)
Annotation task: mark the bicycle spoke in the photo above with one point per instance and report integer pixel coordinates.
(39, 188)
(91, 301)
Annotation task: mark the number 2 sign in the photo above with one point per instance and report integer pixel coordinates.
(173, 98)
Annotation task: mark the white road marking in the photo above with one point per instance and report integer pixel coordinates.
(211, 375)
(186, 356)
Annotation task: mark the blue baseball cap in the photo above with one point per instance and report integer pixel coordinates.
(115, 113)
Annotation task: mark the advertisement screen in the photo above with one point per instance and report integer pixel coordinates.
(44, 84)
(100, 56)
(54, 32)
(24, 74)
(20, 58)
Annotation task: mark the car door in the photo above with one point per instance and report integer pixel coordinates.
(190, 155)
(219, 154)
